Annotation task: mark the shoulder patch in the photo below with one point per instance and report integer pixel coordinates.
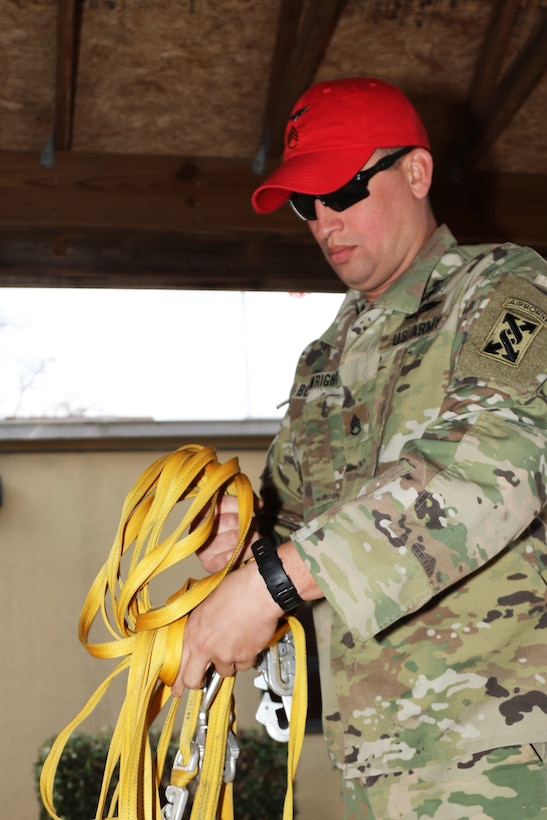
(508, 341)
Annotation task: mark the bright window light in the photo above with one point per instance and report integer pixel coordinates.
(156, 354)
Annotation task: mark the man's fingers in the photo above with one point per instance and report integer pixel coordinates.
(191, 674)
(227, 521)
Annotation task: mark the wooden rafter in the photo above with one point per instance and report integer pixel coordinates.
(301, 41)
(285, 41)
(523, 75)
(494, 101)
(492, 53)
(68, 21)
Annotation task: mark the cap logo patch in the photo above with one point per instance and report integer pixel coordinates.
(513, 332)
(293, 137)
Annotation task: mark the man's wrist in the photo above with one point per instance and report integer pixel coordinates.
(278, 583)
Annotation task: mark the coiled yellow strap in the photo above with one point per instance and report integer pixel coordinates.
(149, 642)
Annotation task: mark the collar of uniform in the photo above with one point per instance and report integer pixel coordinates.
(405, 295)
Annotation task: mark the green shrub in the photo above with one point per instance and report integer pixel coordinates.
(261, 777)
(259, 786)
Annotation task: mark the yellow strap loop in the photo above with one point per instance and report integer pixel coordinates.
(149, 642)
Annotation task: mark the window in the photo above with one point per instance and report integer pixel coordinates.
(163, 355)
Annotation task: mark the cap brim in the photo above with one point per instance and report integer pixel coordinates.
(318, 172)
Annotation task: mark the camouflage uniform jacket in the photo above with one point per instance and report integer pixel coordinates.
(410, 474)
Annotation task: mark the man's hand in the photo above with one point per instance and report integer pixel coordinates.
(229, 629)
(219, 548)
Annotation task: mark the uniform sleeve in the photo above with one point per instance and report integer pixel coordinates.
(459, 494)
(281, 489)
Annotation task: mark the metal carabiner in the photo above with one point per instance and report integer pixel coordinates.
(232, 754)
(277, 667)
(232, 749)
(272, 714)
(209, 691)
(177, 796)
(192, 764)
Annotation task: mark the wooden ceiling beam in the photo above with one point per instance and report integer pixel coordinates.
(136, 192)
(68, 25)
(98, 220)
(301, 41)
(163, 260)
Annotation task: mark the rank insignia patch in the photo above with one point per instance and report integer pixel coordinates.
(514, 331)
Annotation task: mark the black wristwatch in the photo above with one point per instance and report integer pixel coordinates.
(280, 586)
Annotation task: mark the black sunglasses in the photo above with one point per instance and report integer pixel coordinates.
(353, 191)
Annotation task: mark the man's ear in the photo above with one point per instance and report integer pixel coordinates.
(420, 171)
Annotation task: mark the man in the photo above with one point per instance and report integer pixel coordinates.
(405, 490)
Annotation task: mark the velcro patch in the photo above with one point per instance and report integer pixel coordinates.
(508, 342)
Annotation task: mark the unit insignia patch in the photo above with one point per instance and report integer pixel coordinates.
(508, 341)
(514, 331)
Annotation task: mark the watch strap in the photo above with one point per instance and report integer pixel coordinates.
(270, 566)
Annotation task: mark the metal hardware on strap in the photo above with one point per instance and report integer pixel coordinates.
(277, 666)
(209, 692)
(177, 796)
(232, 754)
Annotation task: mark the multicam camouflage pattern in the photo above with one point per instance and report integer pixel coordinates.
(410, 472)
(500, 784)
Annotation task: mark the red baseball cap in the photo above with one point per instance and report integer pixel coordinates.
(333, 130)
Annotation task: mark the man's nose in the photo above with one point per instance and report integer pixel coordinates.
(327, 220)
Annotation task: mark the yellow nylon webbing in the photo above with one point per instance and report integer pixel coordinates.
(149, 640)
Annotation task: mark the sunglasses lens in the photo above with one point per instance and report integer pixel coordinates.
(351, 193)
(345, 197)
(304, 205)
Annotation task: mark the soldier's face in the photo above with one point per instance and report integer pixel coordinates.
(372, 243)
